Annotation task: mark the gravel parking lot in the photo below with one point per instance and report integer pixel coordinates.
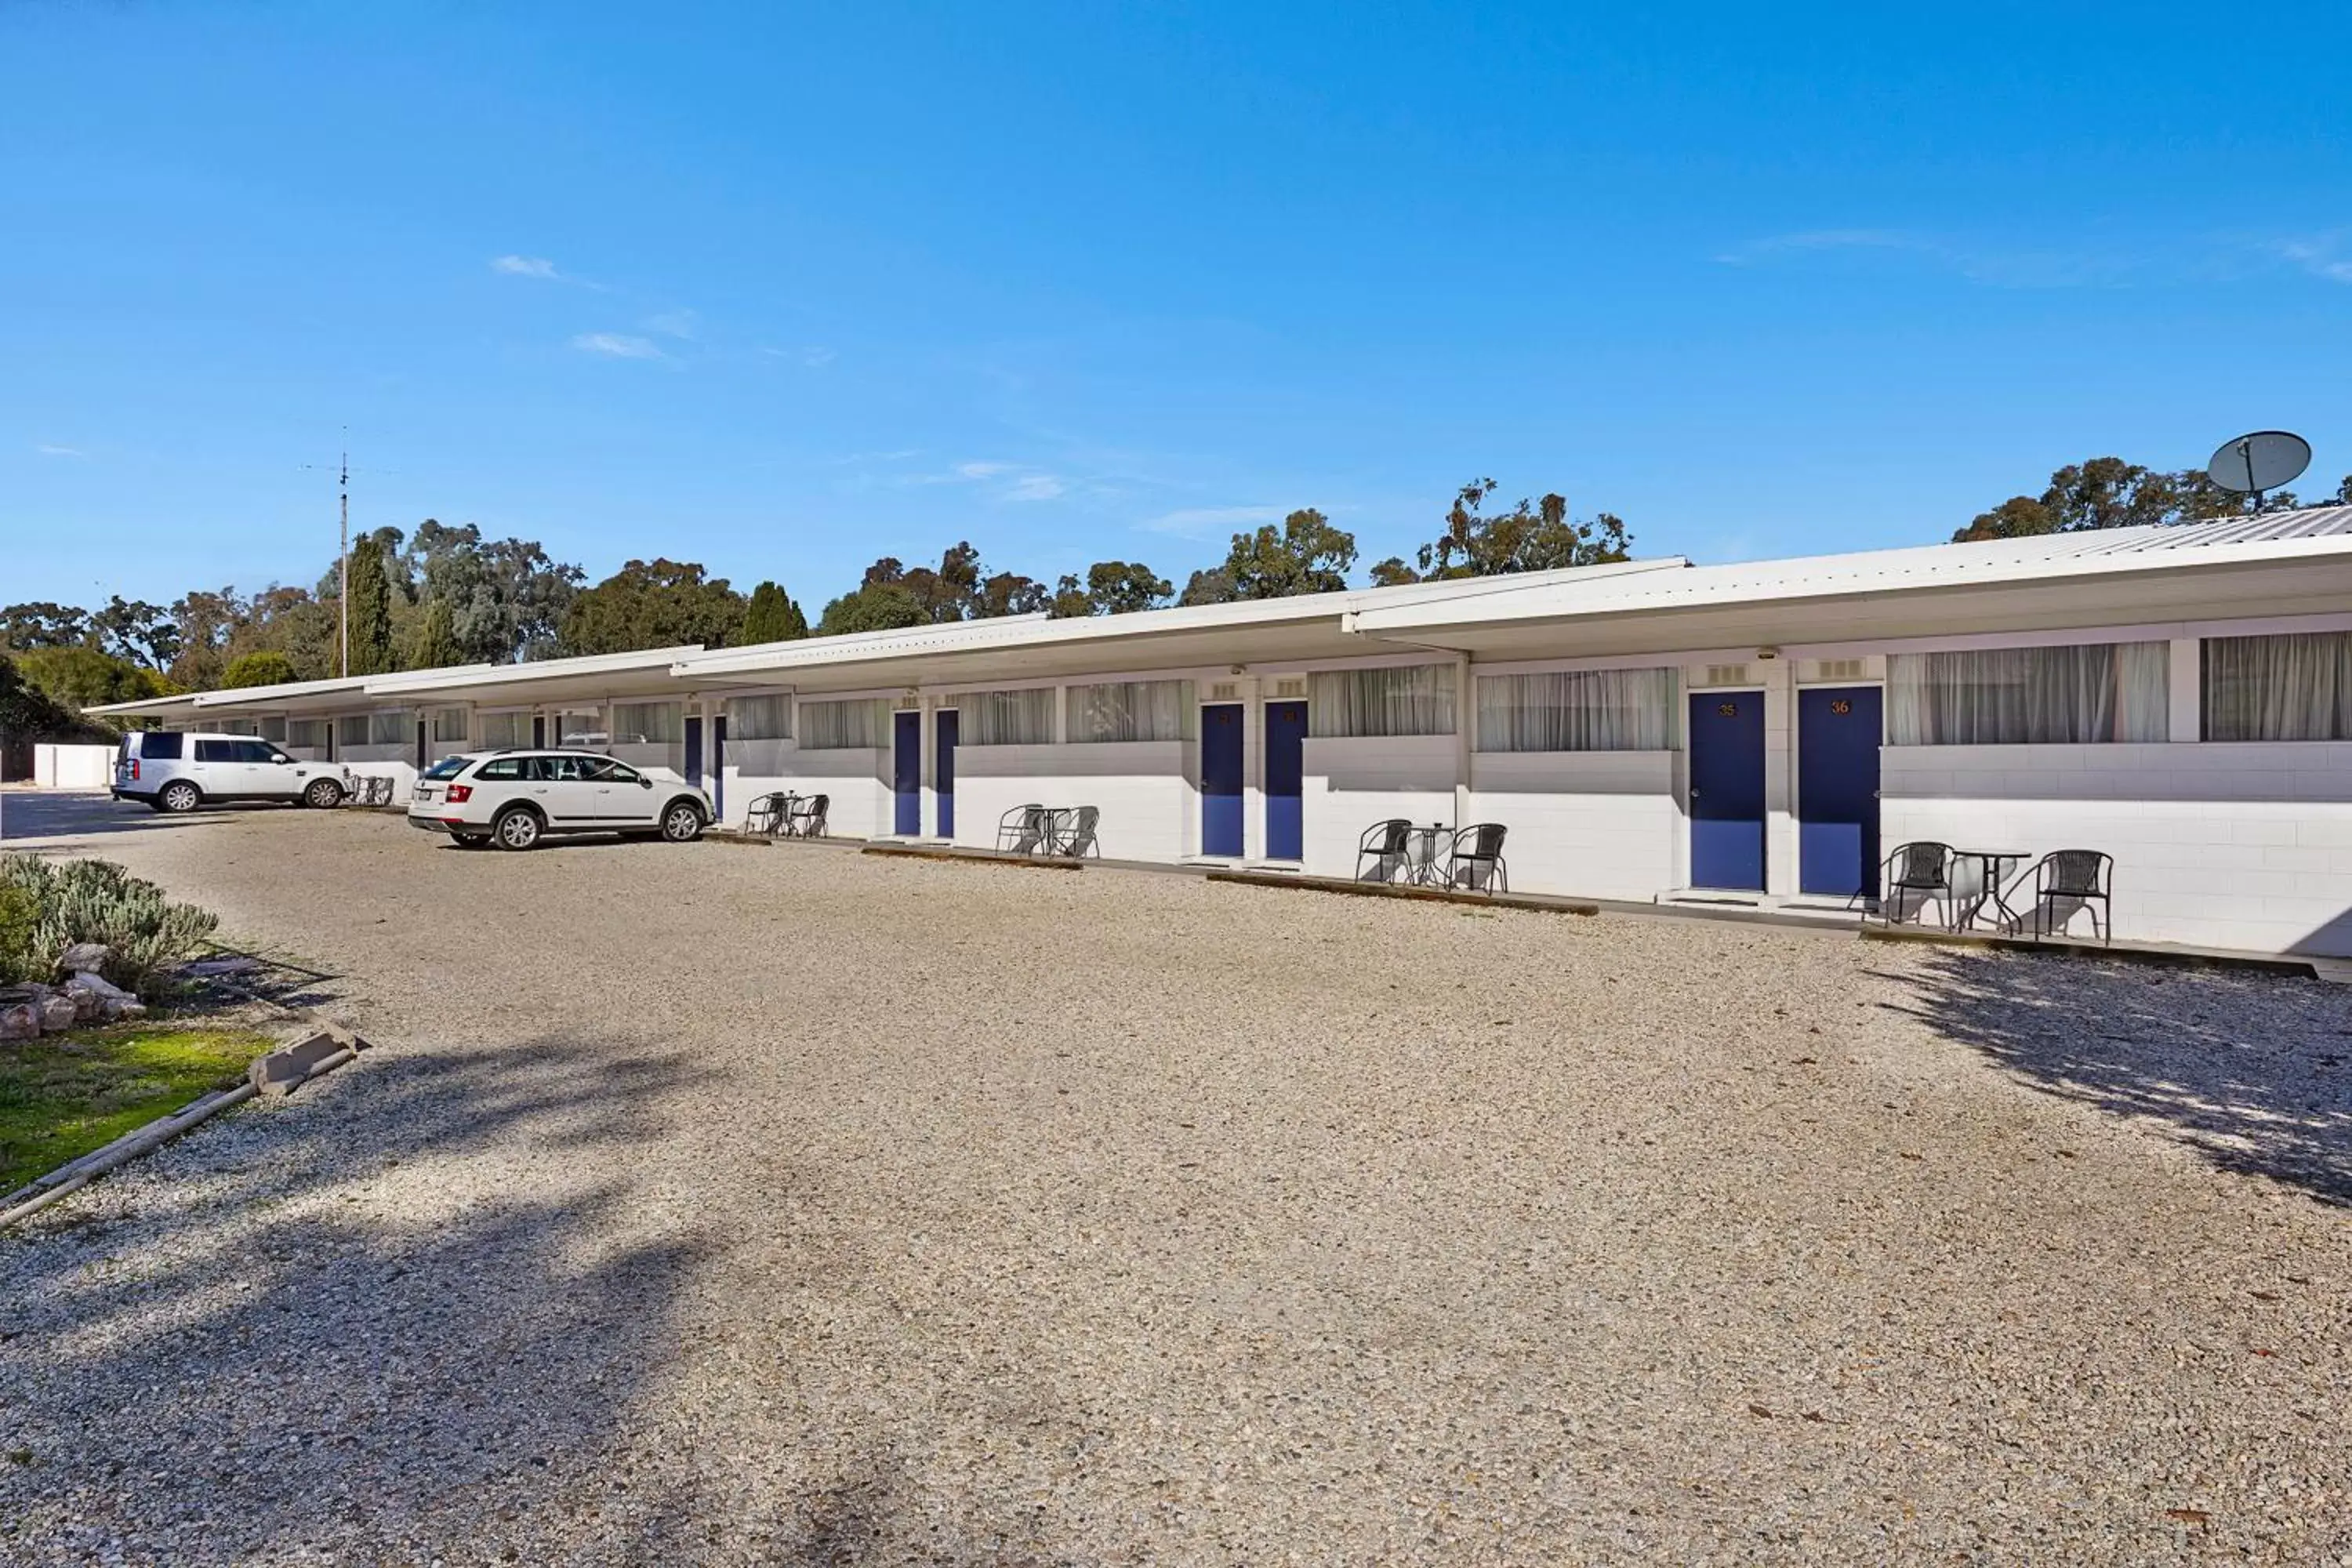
(791, 1206)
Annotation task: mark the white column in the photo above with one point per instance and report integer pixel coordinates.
(927, 762)
(1253, 772)
(1464, 735)
(2186, 693)
(1780, 776)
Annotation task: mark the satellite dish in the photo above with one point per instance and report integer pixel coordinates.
(2261, 460)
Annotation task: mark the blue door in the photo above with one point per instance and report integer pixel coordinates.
(1220, 779)
(907, 772)
(1726, 790)
(1837, 790)
(694, 750)
(949, 724)
(1286, 779)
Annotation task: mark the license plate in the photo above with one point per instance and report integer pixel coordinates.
(423, 795)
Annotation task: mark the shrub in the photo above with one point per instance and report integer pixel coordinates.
(97, 901)
(20, 915)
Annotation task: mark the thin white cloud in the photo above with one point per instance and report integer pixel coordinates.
(526, 267)
(617, 345)
(51, 450)
(1037, 487)
(982, 470)
(2320, 258)
(1211, 522)
(676, 323)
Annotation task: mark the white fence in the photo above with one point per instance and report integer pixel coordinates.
(73, 767)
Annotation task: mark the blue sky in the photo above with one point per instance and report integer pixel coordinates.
(780, 290)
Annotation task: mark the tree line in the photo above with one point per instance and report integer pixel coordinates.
(446, 596)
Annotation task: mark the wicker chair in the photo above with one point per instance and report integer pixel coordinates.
(1078, 840)
(808, 816)
(770, 814)
(1383, 844)
(1021, 830)
(2070, 882)
(1912, 875)
(1475, 859)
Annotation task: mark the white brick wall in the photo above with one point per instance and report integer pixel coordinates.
(1149, 808)
(856, 779)
(1353, 784)
(1600, 824)
(396, 761)
(2237, 846)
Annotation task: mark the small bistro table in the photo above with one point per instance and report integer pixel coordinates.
(1986, 885)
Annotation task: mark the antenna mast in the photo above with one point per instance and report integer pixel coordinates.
(344, 569)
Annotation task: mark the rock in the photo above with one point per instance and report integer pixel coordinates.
(85, 956)
(57, 1012)
(106, 1000)
(20, 1019)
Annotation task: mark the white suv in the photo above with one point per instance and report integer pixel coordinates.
(172, 771)
(515, 798)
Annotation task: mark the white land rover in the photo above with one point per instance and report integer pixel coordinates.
(171, 770)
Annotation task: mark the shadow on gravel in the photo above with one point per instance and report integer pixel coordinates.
(2254, 1071)
(228, 1379)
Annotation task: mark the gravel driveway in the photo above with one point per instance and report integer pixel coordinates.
(791, 1205)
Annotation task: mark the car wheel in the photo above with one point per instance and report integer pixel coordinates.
(324, 794)
(471, 840)
(516, 828)
(179, 797)
(682, 822)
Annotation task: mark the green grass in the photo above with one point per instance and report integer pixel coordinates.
(64, 1095)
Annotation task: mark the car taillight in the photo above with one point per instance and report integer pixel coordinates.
(460, 793)
(134, 770)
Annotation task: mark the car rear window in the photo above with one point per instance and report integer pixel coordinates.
(448, 767)
(215, 750)
(507, 768)
(160, 746)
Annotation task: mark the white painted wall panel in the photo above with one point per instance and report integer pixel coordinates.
(857, 779)
(1143, 789)
(2237, 846)
(1353, 784)
(1602, 825)
(396, 761)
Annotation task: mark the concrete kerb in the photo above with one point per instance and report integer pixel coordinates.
(2133, 953)
(979, 856)
(274, 1074)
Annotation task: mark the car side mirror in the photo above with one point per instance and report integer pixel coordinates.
(644, 784)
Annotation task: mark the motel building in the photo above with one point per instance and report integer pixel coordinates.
(2180, 699)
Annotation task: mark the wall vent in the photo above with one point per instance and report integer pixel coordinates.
(1291, 686)
(1841, 669)
(906, 702)
(1727, 675)
(1226, 691)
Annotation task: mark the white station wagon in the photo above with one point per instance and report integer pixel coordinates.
(513, 799)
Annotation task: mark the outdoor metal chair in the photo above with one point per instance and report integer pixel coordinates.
(807, 815)
(1078, 840)
(1914, 874)
(2070, 882)
(1385, 844)
(1021, 830)
(770, 814)
(1479, 867)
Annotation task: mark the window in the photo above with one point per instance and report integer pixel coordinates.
(390, 728)
(239, 727)
(2293, 688)
(215, 750)
(760, 718)
(1007, 718)
(307, 732)
(162, 745)
(273, 729)
(582, 727)
(1417, 700)
(2028, 696)
(448, 768)
(504, 731)
(649, 723)
(1132, 711)
(841, 726)
(1577, 710)
(351, 730)
(449, 726)
(506, 770)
